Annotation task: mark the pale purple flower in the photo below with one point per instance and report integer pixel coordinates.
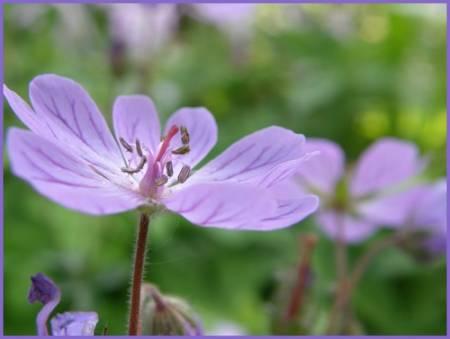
(234, 19)
(71, 157)
(428, 213)
(142, 29)
(45, 291)
(356, 203)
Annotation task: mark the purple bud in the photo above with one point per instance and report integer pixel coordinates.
(44, 290)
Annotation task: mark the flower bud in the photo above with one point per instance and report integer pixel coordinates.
(166, 315)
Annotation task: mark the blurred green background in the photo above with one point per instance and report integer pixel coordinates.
(350, 73)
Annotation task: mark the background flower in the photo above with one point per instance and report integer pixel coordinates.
(354, 205)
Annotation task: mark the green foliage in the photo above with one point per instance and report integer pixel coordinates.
(383, 76)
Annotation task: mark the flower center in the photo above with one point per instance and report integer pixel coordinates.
(160, 167)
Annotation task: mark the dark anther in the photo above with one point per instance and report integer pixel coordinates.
(162, 180)
(184, 135)
(138, 148)
(169, 168)
(139, 167)
(182, 150)
(126, 145)
(184, 174)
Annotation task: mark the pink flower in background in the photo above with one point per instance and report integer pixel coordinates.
(234, 19)
(354, 205)
(45, 291)
(71, 157)
(142, 29)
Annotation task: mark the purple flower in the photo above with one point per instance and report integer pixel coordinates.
(44, 290)
(71, 157)
(234, 19)
(355, 204)
(143, 29)
(428, 213)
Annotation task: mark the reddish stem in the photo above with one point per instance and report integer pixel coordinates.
(134, 326)
(307, 245)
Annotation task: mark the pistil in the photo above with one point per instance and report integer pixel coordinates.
(166, 142)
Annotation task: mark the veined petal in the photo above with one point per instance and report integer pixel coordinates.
(223, 205)
(254, 157)
(351, 229)
(322, 172)
(135, 117)
(72, 117)
(65, 178)
(288, 212)
(74, 324)
(387, 162)
(293, 205)
(202, 129)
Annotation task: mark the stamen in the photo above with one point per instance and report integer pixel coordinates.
(165, 144)
(126, 145)
(184, 174)
(182, 150)
(138, 148)
(139, 167)
(162, 180)
(169, 168)
(184, 135)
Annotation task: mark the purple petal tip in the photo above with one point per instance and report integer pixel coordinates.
(43, 289)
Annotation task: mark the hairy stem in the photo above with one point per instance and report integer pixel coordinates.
(134, 326)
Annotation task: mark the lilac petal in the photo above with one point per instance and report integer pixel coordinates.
(202, 129)
(135, 117)
(25, 113)
(391, 210)
(74, 324)
(322, 172)
(387, 162)
(288, 212)
(44, 290)
(293, 205)
(429, 211)
(224, 205)
(354, 230)
(66, 179)
(72, 116)
(254, 157)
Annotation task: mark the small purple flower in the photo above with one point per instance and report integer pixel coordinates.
(428, 213)
(45, 291)
(71, 157)
(234, 19)
(142, 29)
(355, 204)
